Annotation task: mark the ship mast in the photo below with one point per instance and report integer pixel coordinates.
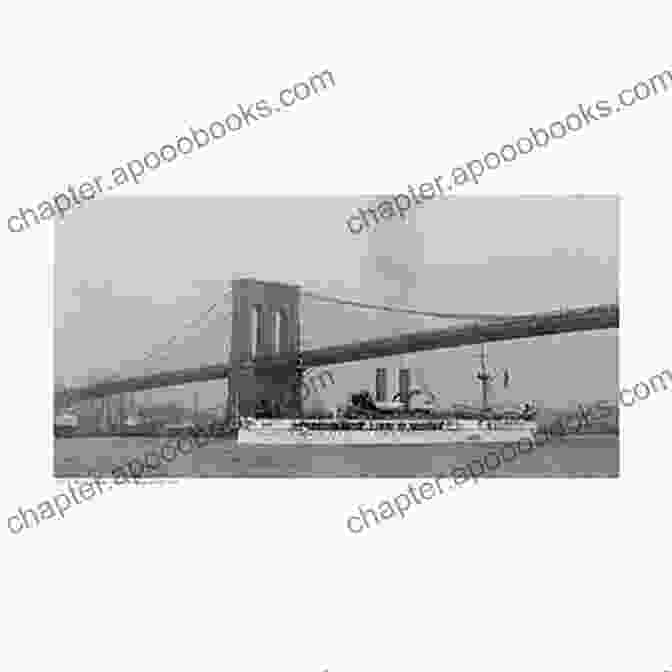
(485, 378)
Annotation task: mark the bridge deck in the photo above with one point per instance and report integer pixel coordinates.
(525, 326)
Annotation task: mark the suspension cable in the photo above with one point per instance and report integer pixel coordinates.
(408, 311)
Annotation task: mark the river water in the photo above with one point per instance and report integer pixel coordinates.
(587, 455)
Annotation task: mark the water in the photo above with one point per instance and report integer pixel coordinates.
(587, 455)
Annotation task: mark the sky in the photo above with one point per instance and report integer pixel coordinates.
(130, 272)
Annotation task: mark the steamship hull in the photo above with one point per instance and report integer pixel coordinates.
(293, 433)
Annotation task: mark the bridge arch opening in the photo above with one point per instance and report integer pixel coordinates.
(281, 341)
(256, 342)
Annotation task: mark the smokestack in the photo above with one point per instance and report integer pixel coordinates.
(381, 384)
(404, 385)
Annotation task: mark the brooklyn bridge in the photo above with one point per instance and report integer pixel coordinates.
(263, 338)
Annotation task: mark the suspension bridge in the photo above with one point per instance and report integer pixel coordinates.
(260, 331)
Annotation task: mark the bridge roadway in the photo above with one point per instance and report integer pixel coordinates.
(604, 316)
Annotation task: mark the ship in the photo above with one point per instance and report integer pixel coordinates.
(366, 421)
(66, 423)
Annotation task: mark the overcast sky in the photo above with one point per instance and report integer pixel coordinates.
(130, 272)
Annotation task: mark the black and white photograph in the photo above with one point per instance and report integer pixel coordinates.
(407, 349)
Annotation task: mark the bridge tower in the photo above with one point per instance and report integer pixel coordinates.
(265, 322)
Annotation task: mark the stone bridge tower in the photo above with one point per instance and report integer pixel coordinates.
(265, 322)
